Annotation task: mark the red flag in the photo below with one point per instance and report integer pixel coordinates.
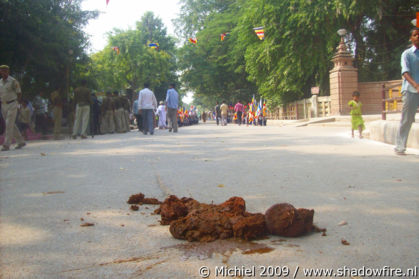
(107, 2)
(417, 19)
(193, 40)
(115, 48)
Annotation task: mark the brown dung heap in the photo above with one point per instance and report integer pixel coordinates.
(194, 221)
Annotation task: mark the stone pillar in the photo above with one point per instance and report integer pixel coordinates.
(343, 80)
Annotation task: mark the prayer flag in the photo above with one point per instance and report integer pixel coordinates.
(260, 32)
(193, 40)
(223, 35)
(115, 48)
(154, 45)
(259, 109)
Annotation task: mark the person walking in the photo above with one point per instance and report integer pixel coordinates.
(161, 112)
(10, 93)
(172, 103)
(217, 113)
(95, 115)
(137, 115)
(82, 101)
(24, 119)
(224, 113)
(147, 103)
(239, 109)
(107, 110)
(356, 114)
(41, 114)
(410, 91)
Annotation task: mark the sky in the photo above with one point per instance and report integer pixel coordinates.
(123, 14)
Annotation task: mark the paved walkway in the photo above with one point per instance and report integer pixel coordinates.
(48, 186)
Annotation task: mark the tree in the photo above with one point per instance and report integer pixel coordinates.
(136, 61)
(41, 39)
(208, 69)
(300, 40)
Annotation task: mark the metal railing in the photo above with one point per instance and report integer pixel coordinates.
(390, 101)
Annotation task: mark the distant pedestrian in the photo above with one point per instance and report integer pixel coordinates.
(40, 104)
(172, 104)
(147, 103)
(82, 101)
(95, 115)
(24, 119)
(224, 113)
(10, 94)
(410, 91)
(137, 115)
(107, 124)
(217, 113)
(161, 112)
(239, 110)
(356, 114)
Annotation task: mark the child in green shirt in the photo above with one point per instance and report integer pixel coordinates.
(356, 114)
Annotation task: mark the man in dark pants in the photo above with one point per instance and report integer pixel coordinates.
(147, 103)
(172, 103)
(217, 113)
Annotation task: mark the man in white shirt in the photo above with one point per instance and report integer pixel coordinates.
(147, 103)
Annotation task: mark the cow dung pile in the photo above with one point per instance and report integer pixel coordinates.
(194, 221)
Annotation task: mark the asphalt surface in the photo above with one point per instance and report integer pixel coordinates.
(49, 188)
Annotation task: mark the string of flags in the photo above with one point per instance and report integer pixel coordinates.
(260, 32)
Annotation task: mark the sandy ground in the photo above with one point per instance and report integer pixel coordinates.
(49, 188)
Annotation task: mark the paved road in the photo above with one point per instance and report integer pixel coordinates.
(47, 187)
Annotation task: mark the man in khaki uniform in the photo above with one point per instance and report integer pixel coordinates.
(126, 107)
(82, 101)
(57, 111)
(119, 112)
(10, 93)
(108, 123)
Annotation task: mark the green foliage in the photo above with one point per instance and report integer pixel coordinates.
(300, 40)
(137, 62)
(209, 68)
(36, 40)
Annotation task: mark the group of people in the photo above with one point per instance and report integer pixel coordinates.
(145, 110)
(115, 112)
(113, 115)
(240, 114)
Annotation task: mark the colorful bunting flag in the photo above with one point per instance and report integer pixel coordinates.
(154, 45)
(260, 32)
(223, 35)
(107, 2)
(193, 40)
(116, 49)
